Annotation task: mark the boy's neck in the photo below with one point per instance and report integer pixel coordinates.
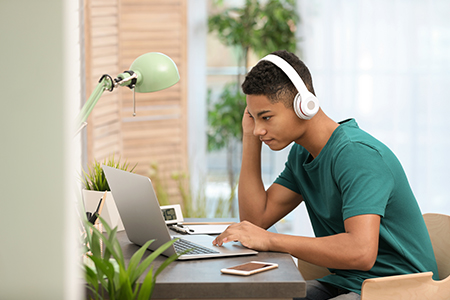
(319, 130)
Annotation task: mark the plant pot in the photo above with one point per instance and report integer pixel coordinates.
(109, 213)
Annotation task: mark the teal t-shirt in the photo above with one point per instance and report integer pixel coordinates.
(355, 174)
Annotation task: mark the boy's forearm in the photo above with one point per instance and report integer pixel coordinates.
(356, 248)
(337, 251)
(251, 191)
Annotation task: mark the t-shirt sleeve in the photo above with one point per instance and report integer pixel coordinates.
(366, 182)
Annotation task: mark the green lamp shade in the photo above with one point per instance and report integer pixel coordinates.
(156, 71)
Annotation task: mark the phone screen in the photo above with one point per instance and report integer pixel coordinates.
(250, 266)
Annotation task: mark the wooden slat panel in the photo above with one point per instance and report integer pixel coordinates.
(145, 100)
(102, 57)
(156, 34)
(108, 129)
(159, 99)
(105, 31)
(104, 21)
(112, 150)
(104, 3)
(105, 41)
(107, 105)
(117, 32)
(157, 4)
(108, 141)
(107, 61)
(99, 71)
(131, 21)
(129, 55)
(104, 50)
(101, 11)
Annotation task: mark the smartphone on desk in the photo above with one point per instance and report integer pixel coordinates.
(249, 268)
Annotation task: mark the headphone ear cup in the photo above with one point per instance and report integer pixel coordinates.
(297, 103)
(306, 108)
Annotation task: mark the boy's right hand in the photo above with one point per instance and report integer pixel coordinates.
(248, 123)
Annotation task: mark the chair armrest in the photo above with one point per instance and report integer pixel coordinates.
(402, 287)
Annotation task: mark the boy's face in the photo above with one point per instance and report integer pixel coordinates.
(274, 124)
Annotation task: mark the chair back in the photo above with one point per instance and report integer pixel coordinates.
(438, 226)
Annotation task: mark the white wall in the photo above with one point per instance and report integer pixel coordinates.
(387, 64)
(39, 86)
(197, 31)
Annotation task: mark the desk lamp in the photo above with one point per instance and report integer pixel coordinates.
(150, 72)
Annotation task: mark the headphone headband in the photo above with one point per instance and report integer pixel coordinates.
(306, 104)
(289, 71)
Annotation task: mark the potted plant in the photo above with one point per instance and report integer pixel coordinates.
(94, 186)
(106, 273)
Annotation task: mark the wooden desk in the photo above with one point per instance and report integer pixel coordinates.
(202, 279)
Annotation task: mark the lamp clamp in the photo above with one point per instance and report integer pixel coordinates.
(122, 79)
(133, 77)
(111, 85)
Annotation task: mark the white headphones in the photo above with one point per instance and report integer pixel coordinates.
(306, 104)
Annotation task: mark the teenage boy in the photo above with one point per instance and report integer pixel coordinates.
(365, 217)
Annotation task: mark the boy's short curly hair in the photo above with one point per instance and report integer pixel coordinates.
(267, 79)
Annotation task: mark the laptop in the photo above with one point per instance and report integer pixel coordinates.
(142, 219)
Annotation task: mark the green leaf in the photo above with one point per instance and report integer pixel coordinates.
(91, 279)
(94, 178)
(225, 117)
(257, 24)
(95, 246)
(102, 270)
(146, 288)
(135, 260)
(148, 260)
(111, 274)
(126, 290)
(112, 245)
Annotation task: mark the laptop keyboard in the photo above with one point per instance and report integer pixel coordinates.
(183, 245)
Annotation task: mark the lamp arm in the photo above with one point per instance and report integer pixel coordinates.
(87, 108)
(149, 72)
(105, 83)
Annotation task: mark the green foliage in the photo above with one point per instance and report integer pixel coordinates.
(199, 207)
(95, 178)
(158, 185)
(192, 206)
(263, 26)
(225, 117)
(224, 208)
(190, 210)
(235, 26)
(108, 276)
(279, 19)
(260, 27)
